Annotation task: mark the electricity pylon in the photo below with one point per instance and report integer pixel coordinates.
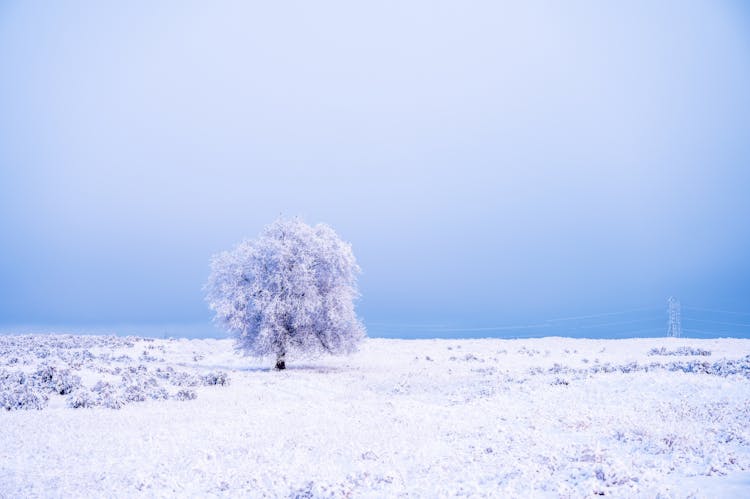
(674, 328)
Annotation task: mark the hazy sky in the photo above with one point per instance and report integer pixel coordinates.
(491, 162)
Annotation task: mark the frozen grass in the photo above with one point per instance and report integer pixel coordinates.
(547, 417)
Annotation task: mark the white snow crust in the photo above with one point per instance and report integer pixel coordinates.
(550, 417)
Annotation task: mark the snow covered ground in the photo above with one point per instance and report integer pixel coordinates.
(551, 417)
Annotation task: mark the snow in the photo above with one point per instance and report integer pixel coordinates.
(550, 417)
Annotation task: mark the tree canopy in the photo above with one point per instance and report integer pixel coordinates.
(291, 290)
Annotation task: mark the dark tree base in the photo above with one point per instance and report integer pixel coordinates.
(280, 364)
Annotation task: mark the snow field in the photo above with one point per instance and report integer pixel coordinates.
(551, 417)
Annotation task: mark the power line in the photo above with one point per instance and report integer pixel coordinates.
(407, 325)
(548, 323)
(492, 328)
(623, 334)
(619, 323)
(741, 324)
(602, 315)
(555, 325)
(717, 311)
(630, 333)
(703, 331)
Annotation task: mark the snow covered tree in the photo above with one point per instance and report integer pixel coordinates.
(292, 290)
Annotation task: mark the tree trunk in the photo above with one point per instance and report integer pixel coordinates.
(281, 354)
(280, 363)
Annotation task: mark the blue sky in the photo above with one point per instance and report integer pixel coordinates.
(492, 163)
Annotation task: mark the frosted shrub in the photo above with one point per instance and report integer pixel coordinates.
(216, 378)
(17, 392)
(185, 395)
(56, 380)
(133, 393)
(181, 378)
(22, 397)
(291, 290)
(80, 399)
(115, 385)
(107, 396)
(8, 378)
(164, 373)
(110, 400)
(680, 351)
(158, 393)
